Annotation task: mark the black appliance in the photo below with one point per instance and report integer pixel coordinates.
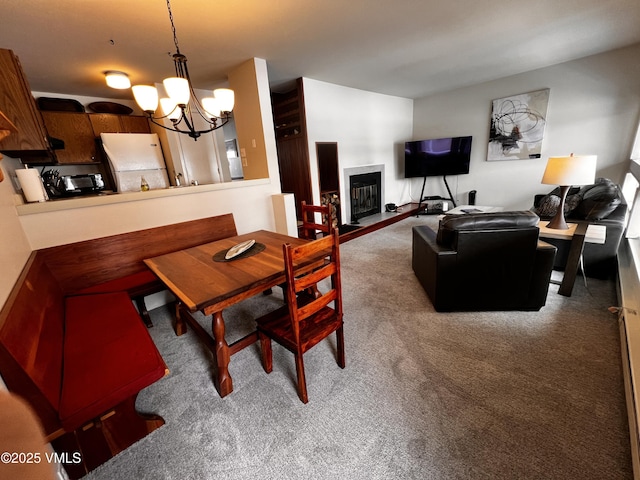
(71, 185)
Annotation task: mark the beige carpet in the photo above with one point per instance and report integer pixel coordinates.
(502, 395)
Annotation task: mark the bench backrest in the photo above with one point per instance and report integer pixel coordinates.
(31, 340)
(92, 262)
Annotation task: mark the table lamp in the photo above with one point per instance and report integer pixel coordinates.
(565, 172)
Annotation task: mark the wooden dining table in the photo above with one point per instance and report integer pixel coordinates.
(202, 280)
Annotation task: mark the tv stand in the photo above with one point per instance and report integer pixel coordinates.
(437, 197)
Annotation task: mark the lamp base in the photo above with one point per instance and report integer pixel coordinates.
(558, 222)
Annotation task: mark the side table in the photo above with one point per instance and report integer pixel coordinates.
(578, 234)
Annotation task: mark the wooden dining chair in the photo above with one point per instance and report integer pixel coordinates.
(310, 227)
(303, 322)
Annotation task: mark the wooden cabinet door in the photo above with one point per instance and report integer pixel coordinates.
(110, 123)
(77, 133)
(104, 123)
(134, 124)
(18, 105)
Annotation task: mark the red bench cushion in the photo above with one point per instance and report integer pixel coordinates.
(125, 284)
(108, 356)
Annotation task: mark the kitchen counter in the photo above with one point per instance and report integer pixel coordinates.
(112, 198)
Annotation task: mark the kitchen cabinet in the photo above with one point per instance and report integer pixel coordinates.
(110, 123)
(104, 123)
(76, 131)
(18, 105)
(134, 124)
(80, 133)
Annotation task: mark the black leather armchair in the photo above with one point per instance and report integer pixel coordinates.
(483, 262)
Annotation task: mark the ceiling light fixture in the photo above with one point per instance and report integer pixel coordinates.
(178, 107)
(115, 79)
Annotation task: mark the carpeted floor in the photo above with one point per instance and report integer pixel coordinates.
(425, 395)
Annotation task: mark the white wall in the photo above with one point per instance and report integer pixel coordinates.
(370, 129)
(594, 107)
(14, 246)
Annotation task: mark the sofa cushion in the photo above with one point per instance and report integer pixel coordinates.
(108, 356)
(483, 221)
(549, 204)
(598, 200)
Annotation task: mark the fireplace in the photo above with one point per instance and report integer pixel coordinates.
(365, 195)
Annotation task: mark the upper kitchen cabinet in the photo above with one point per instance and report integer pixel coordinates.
(76, 131)
(17, 103)
(110, 123)
(134, 124)
(81, 131)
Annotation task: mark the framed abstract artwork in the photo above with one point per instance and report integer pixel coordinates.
(517, 126)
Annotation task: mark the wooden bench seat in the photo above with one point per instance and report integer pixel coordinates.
(108, 356)
(72, 343)
(80, 362)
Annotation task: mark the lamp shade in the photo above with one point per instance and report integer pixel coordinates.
(571, 170)
(211, 106)
(178, 89)
(225, 98)
(119, 80)
(146, 96)
(170, 109)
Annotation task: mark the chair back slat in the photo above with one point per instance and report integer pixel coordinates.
(312, 278)
(310, 225)
(318, 304)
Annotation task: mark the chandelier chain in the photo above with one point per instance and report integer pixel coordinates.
(173, 27)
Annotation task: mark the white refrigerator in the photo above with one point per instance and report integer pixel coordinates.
(133, 156)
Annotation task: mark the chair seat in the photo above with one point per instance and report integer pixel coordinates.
(277, 325)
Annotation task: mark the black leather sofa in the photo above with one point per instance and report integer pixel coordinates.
(484, 262)
(601, 203)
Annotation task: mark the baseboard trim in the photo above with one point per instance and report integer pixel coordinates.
(628, 288)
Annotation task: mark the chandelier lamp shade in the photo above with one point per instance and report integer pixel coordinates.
(181, 106)
(565, 172)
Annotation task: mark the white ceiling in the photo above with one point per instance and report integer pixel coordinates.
(409, 48)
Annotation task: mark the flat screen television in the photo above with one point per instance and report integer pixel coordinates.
(437, 157)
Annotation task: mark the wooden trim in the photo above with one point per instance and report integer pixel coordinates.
(629, 318)
(408, 210)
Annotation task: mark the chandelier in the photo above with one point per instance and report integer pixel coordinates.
(182, 104)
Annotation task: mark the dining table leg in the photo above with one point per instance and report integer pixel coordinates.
(223, 381)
